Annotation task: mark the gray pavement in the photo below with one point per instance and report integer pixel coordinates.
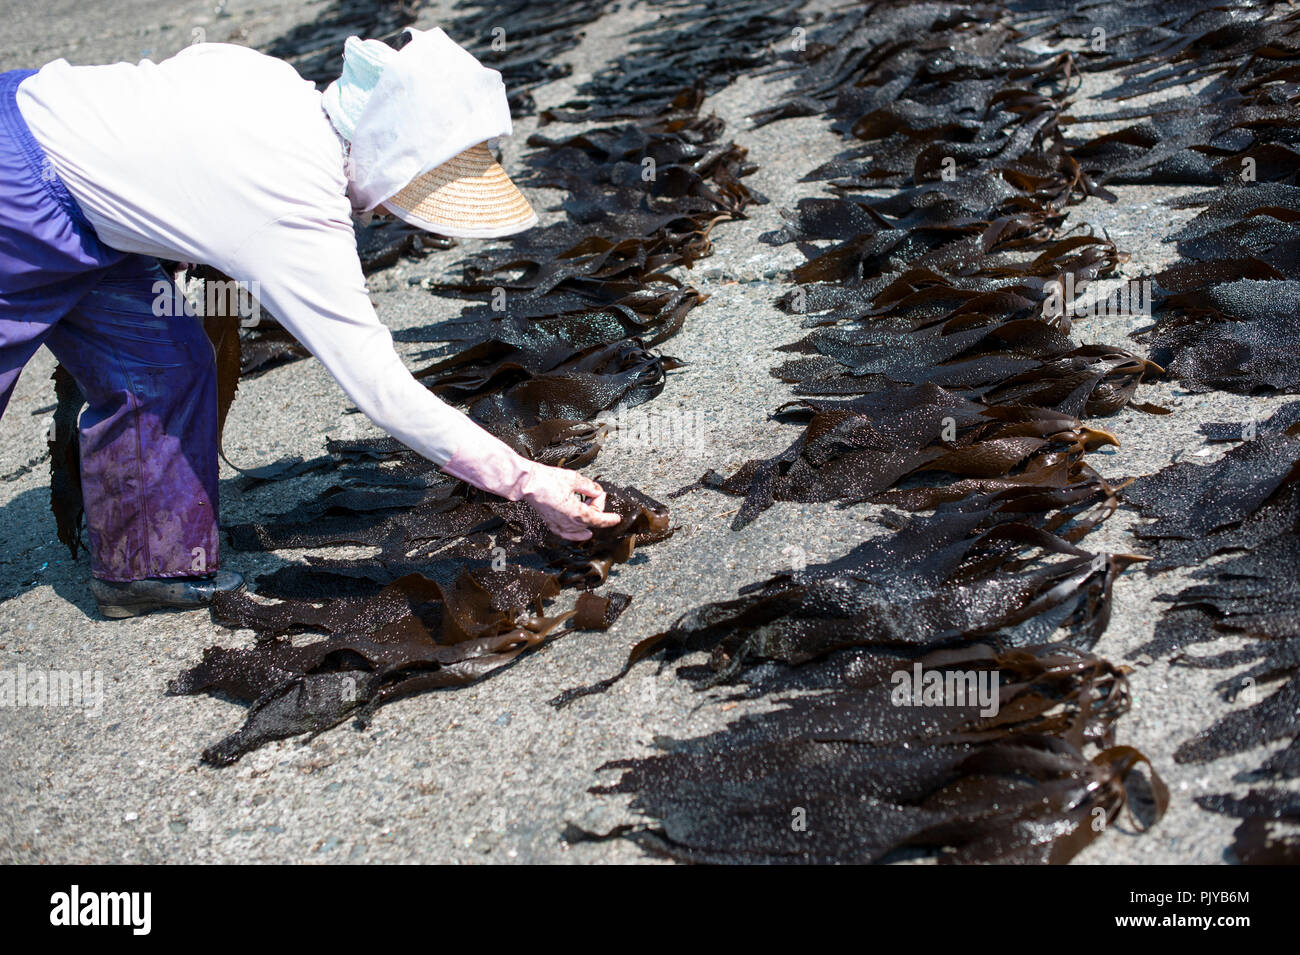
(492, 773)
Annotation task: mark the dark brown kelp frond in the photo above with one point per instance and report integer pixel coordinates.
(858, 450)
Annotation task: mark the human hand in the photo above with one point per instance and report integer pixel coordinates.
(570, 504)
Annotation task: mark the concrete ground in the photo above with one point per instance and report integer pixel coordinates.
(492, 773)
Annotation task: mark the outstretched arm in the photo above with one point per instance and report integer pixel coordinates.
(310, 278)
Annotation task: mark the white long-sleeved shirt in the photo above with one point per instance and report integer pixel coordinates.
(224, 156)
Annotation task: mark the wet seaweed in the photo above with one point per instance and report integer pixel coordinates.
(1269, 833)
(848, 775)
(1237, 521)
(1000, 567)
(857, 451)
(701, 45)
(931, 307)
(1228, 318)
(390, 630)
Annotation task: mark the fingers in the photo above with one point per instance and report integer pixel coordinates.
(570, 516)
(588, 514)
(591, 490)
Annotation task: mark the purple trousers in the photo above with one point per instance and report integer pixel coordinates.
(149, 433)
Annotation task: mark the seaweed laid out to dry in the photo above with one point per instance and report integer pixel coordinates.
(575, 308)
(1005, 562)
(1228, 317)
(703, 44)
(1233, 324)
(848, 772)
(1243, 510)
(389, 629)
(850, 776)
(944, 303)
(460, 583)
(1225, 318)
(857, 451)
(939, 310)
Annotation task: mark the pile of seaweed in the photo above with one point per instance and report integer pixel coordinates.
(1238, 522)
(462, 586)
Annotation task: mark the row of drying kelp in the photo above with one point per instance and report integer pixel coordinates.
(582, 301)
(933, 309)
(1230, 320)
(980, 616)
(688, 44)
(1245, 507)
(462, 582)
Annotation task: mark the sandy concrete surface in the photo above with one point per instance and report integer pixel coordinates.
(492, 773)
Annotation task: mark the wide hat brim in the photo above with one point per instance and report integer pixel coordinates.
(469, 196)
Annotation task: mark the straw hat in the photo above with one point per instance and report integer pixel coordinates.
(418, 122)
(469, 196)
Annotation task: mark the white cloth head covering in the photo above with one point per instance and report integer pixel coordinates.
(405, 111)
